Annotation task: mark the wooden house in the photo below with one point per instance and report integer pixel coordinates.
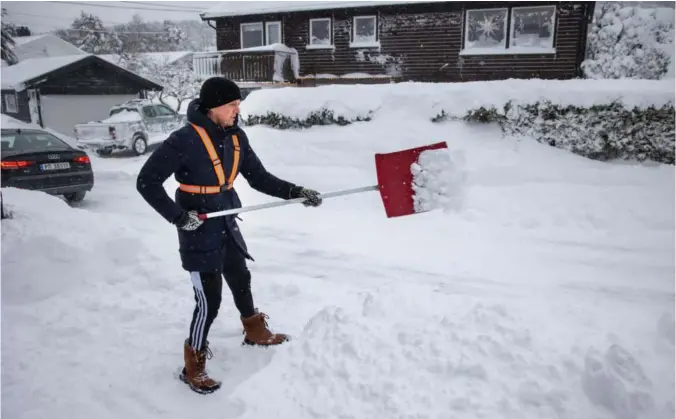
(359, 41)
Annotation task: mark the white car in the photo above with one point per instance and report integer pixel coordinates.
(130, 126)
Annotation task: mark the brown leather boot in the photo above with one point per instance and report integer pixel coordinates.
(194, 373)
(256, 331)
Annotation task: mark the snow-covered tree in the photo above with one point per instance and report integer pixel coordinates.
(87, 32)
(630, 42)
(179, 81)
(7, 40)
(140, 36)
(173, 35)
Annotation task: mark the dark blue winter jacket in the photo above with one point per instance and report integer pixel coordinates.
(183, 154)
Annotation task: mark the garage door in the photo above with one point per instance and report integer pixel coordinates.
(62, 112)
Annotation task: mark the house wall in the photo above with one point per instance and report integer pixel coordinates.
(23, 112)
(422, 42)
(93, 78)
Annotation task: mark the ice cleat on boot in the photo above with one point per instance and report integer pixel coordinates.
(194, 372)
(256, 332)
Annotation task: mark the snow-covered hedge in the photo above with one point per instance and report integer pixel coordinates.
(600, 132)
(600, 119)
(630, 41)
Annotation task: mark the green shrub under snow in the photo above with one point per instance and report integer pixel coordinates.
(601, 132)
(321, 117)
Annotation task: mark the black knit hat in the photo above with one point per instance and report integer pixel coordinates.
(218, 91)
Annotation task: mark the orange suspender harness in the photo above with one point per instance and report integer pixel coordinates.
(218, 168)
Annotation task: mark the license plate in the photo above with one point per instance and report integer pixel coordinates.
(55, 166)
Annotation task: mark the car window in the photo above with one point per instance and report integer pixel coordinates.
(31, 141)
(163, 110)
(149, 111)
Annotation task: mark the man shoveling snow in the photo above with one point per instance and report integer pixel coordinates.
(200, 155)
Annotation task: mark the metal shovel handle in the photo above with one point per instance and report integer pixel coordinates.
(286, 202)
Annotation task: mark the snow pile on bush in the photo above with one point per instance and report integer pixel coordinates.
(630, 42)
(599, 119)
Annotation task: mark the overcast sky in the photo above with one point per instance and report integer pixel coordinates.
(45, 16)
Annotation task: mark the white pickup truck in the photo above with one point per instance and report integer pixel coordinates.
(133, 125)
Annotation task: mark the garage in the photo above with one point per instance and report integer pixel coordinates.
(59, 92)
(62, 112)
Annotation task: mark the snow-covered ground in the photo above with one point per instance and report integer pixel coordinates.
(546, 292)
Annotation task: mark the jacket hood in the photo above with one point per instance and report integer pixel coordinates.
(196, 115)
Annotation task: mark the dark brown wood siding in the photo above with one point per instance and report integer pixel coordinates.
(23, 111)
(93, 78)
(422, 42)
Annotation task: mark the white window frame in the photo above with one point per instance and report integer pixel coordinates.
(15, 106)
(241, 33)
(484, 51)
(267, 31)
(375, 43)
(310, 45)
(509, 29)
(532, 50)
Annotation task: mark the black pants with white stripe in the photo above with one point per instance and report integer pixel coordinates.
(208, 287)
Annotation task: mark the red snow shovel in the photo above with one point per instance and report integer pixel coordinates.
(394, 183)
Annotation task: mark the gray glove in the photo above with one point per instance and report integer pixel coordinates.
(189, 221)
(313, 198)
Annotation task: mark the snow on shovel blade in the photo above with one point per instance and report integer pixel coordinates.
(395, 178)
(438, 180)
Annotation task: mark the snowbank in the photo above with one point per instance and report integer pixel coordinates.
(480, 361)
(428, 100)
(597, 114)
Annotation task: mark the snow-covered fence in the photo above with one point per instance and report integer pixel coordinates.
(270, 63)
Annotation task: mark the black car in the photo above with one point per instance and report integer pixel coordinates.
(37, 160)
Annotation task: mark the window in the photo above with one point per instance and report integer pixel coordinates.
(364, 30)
(320, 33)
(273, 33)
(485, 29)
(28, 140)
(519, 30)
(10, 102)
(532, 27)
(149, 112)
(164, 111)
(251, 34)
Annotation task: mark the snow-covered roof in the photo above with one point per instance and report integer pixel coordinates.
(42, 46)
(226, 9)
(14, 76)
(20, 40)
